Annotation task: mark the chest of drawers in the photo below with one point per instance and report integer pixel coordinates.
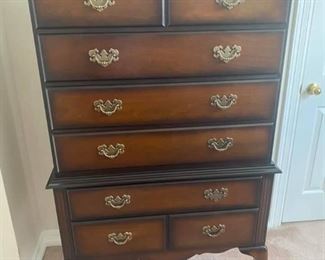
(161, 116)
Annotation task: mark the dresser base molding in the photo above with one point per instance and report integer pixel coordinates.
(259, 253)
(101, 178)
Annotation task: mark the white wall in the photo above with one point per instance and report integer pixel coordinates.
(8, 243)
(25, 152)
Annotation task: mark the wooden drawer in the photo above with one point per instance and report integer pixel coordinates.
(163, 198)
(169, 104)
(160, 55)
(102, 238)
(76, 152)
(187, 12)
(72, 13)
(219, 229)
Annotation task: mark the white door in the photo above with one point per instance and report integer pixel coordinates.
(305, 196)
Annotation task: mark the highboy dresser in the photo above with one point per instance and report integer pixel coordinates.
(161, 116)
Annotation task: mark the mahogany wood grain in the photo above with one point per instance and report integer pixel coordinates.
(91, 239)
(160, 55)
(163, 198)
(191, 12)
(163, 104)
(72, 13)
(186, 230)
(151, 148)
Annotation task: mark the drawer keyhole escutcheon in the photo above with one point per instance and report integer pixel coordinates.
(227, 54)
(214, 231)
(108, 107)
(224, 102)
(221, 144)
(229, 4)
(216, 195)
(99, 5)
(111, 151)
(104, 58)
(118, 202)
(120, 239)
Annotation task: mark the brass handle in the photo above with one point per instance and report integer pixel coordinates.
(118, 202)
(214, 231)
(221, 144)
(103, 57)
(108, 108)
(216, 194)
(229, 4)
(228, 53)
(314, 89)
(111, 151)
(99, 5)
(120, 239)
(224, 102)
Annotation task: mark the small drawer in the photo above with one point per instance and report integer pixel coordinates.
(88, 13)
(160, 55)
(191, 12)
(163, 104)
(163, 198)
(217, 230)
(119, 236)
(94, 151)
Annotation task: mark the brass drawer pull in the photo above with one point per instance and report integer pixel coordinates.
(118, 202)
(108, 108)
(214, 231)
(111, 151)
(120, 239)
(221, 144)
(103, 57)
(99, 5)
(216, 194)
(228, 53)
(229, 4)
(224, 102)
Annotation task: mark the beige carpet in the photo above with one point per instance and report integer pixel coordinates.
(295, 241)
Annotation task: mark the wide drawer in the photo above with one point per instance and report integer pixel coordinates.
(163, 198)
(163, 104)
(86, 13)
(76, 152)
(119, 236)
(218, 230)
(160, 55)
(184, 12)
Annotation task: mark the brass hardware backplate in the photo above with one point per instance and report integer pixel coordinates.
(111, 151)
(99, 5)
(216, 195)
(120, 239)
(224, 102)
(108, 108)
(104, 58)
(221, 144)
(214, 231)
(227, 54)
(118, 202)
(229, 4)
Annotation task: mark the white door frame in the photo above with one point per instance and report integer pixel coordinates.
(294, 67)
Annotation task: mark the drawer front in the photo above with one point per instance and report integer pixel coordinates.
(86, 13)
(119, 237)
(187, 12)
(163, 198)
(220, 229)
(157, 55)
(176, 104)
(153, 148)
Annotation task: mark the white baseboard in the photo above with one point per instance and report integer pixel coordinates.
(46, 239)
